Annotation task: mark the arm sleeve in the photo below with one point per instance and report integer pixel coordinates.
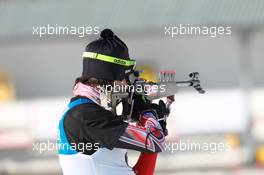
(149, 138)
(92, 123)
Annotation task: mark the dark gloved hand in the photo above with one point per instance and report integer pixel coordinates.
(141, 103)
(162, 112)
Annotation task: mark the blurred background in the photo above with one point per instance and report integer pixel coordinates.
(37, 75)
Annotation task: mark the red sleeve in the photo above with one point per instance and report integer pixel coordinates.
(146, 164)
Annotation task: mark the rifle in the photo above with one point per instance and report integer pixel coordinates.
(166, 87)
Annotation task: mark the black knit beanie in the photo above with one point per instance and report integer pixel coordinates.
(107, 58)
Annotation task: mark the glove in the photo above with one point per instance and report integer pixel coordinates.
(141, 103)
(162, 112)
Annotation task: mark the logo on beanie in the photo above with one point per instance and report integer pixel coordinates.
(119, 61)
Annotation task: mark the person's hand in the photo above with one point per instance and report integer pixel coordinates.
(141, 103)
(162, 111)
